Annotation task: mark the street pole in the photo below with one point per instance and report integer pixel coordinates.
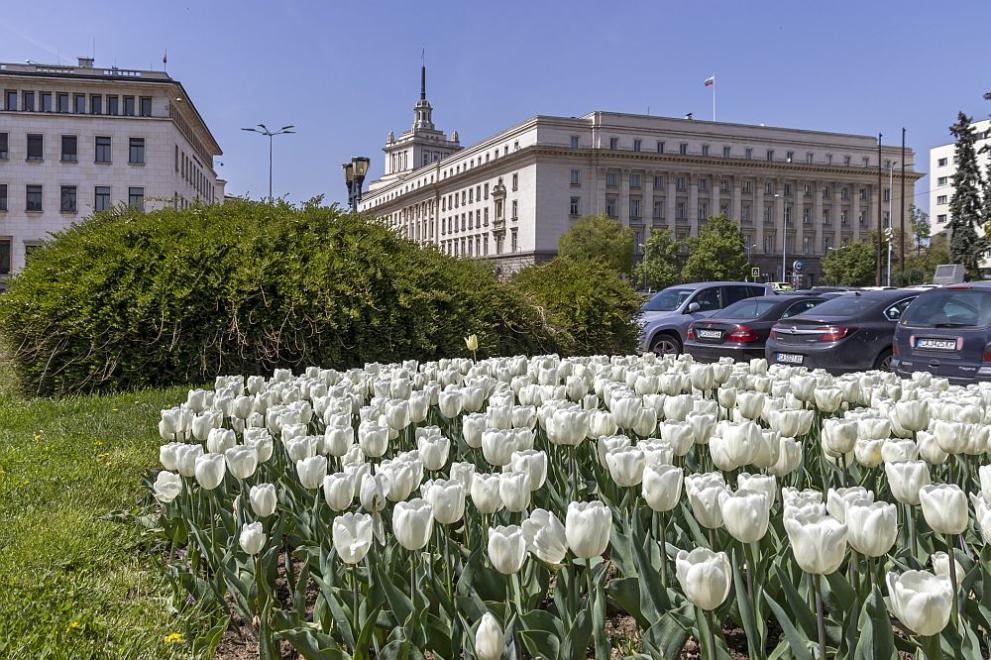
(891, 177)
(269, 169)
(901, 240)
(261, 129)
(877, 269)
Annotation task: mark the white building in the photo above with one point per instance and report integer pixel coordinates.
(942, 167)
(510, 197)
(79, 139)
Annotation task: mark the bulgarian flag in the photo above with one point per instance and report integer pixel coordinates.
(710, 81)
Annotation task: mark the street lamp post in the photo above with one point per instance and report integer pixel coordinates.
(261, 129)
(890, 232)
(354, 176)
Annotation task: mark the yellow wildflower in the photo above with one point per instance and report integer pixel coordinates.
(173, 638)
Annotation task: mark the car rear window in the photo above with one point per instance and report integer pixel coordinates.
(846, 305)
(748, 308)
(950, 308)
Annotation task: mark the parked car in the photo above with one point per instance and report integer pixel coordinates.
(947, 332)
(741, 330)
(666, 316)
(851, 332)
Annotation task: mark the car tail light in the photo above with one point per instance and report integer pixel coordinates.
(691, 331)
(774, 333)
(832, 332)
(742, 333)
(986, 357)
(895, 351)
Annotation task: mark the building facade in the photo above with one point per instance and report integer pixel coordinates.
(942, 167)
(80, 139)
(794, 193)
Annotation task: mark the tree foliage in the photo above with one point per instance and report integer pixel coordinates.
(659, 266)
(965, 206)
(717, 253)
(921, 229)
(854, 264)
(921, 266)
(599, 237)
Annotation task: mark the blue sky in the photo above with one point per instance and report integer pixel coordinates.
(347, 73)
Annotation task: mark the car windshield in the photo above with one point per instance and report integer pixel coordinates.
(667, 300)
(950, 308)
(750, 308)
(845, 305)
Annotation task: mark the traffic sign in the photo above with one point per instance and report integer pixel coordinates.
(797, 266)
(755, 272)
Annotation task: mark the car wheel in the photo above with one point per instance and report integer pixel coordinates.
(883, 362)
(666, 345)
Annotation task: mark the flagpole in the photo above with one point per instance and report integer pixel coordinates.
(713, 97)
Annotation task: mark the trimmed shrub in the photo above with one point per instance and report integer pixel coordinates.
(129, 299)
(585, 305)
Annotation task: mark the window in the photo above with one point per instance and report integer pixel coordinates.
(806, 216)
(787, 190)
(887, 194)
(658, 209)
(575, 208)
(33, 201)
(576, 179)
(768, 215)
(726, 152)
(3, 196)
(516, 182)
(128, 106)
(5, 256)
(515, 241)
(861, 219)
(940, 163)
(614, 143)
(29, 250)
(708, 299)
(680, 184)
(809, 156)
(113, 105)
(941, 219)
(768, 243)
(637, 144)
(63, 102)
(69, 149)
(748, 186)
(799, 307)
(863, 194)
(146, 107)
(102, 149)
(79, 103)
(4, 153)
(486, 213)
(680, 212)
(703, 210)
(829, 159)
(35, 147)
(683, 148)
(486, 190)
(843, 218)
(658, 182)
(136, 198)
(703, 184)
(101, 198)
(611, 206)
(516, 208)
(867, 161)
(574, 141)
(634, 181)
(844, 193)
(745, 213)
(68, 203)
(748, 153)
(942, 181)
(705, 150)
(27, 101)
(769, 188)
(941, 199)
(770, 154)
(788, 214)
(807, 245)
(10, 100)
(635, 208)
(846, 161)
(660, 146)
(610, 179)
(46, 101)
(95, 104)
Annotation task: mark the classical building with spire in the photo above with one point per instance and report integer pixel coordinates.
(796, 194)
(421, 145)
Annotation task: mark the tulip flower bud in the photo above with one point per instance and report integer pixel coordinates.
(840, 435)
(220, 440)
(210, 470)
(507, 548)
(450, 402)
(745, 514)
(868, 452)
(338, 490)
(545, 536)
(818, 542)
(311, 471)
(762, 483)
(839, 499)
(337, 440)
(167, 486)
(485, 493)
(871, 528)
(921, 600)
(944, 507)
(906, 478)
(373, 492)
(676, 408)
(705, 577)
(252, 538)
(263, 499)
(912, 415)
(531, 462)
(703, 491)
(898, 451)
(588, 527)
(242, 461)
(412, 523)
(626, 465)
(433, 452)
(982, 513)
(463, 472)
(941, 564)
(680, 435)
(514, 491)
(352, 536)
(186, 456)
(373, 438)
(488, 639)
(447, 499)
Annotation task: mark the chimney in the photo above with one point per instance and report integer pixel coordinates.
(85, 62)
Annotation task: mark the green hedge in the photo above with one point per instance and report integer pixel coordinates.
(129, 299)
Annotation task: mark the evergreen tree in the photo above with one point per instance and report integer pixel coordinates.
(965, 206)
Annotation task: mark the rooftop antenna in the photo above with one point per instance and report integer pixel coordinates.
(423, 74)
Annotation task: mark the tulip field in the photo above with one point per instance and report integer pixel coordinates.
(629, 506)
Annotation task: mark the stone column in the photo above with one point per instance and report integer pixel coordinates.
(737, 208)
(647, 198)
(714, 196)
(757, 215)
(817, 215)
(797, 209)
(623, 202)
(598, 201)
(855, 210)
(779, 217)
(670, 200)
(693, 204)
(837, 209)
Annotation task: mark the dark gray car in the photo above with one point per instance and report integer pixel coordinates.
(852, 332)
(947, 332)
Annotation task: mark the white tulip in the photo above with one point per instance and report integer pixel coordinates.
(338, 490)
(588, 527)
(912, 415)
(626, 465)
(263, 499)
(373, 439)
(661, 487)
(412, 523)
(705, 577)
(704, 491)
(944, 507)
(545, 536)
(872, 528)
(745, 514)
(220, 440)
(433, 452)
(789, 457)
(373, 492)
(867, 452)
(514, 491)
(472, 426)
(352, 536)
(762, 483)
(906, 478)
(679, 435)
(921, 600)
(210, 470)
(447, 498)
(941, 565)
(899, 451)
(242, 461)
(167, 486)
(186, 456)
(840, 435)
(311, 471)
(838, 500)
(463, 472)
(262, 442)
(819, 543)
(507, 548)
(485, 493)
(489, 639)
(497, 446)
(982, 513)
(337, 441)
(252, 538)
(531, 462)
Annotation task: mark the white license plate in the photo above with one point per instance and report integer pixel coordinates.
(791, 358)
(710, 334)
(936, 344)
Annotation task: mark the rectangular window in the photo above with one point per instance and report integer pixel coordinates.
(96, 104)
(611, 206)
(787, 190)
(790, 156)
(887, 194)
(806, 216)
(726, 152)
(46, 101)
(113, 105)
(10, 100)
(68, 203)
(610, 179)
(5, 256)
(33, 198)
(516, 208)
(788, 214)
(63, 102)
(516, 245)
(748, 187)
(941, 219)
(942, 181)
(79, 103)
(660, 147)
(770, 154)
(575, 208)
(769, 188)
(614, 143)
(829, 159)
(705, 150)
(574, 141)
(768, 215)
(634, 181)
(516, 182)
(128, 106)
(635, 208)
(680, 184)
(103, 149)
(486, 216)
(101, 198)
(145, 106)
(486, 190)
(809, 156)
(866, 161)
(637, 144)
(703, 210)
(658, 209)
(703, 184)
(843, 217)
(846, 161)
(69, 149)
(4, 152)
(576, 178)
(36, 147)
(3, 196)
(941, 199)
(679, 211)
(658, 182)
(27, 100)
(940, 163)
(745, 213)
(683, 148)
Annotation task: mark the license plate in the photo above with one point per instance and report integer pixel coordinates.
(710, 334)
(936, 344)
(790, 358)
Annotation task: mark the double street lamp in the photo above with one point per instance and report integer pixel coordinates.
(354, 176)
(261, 129)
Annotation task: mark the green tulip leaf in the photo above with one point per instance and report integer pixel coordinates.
(797, 605)
(801, 647)
(668, 636)
(361, 651)
(625, 594)
(755, 642)
(576, 643)
(541, 644)
(876, 639)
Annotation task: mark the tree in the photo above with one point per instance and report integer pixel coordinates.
(853, 264)
(599, 237)
(921, 230)
(659, 267)
(717, 253)
(965, 205)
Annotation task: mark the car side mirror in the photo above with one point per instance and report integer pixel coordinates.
(693, 307)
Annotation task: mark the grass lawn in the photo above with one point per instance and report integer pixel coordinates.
(73, 584)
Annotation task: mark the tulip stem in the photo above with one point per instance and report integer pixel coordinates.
(664, 547)
(412, 579)
(354, 605)
(953, 579)
(932, 649)
(710, 620)
(820, 617)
